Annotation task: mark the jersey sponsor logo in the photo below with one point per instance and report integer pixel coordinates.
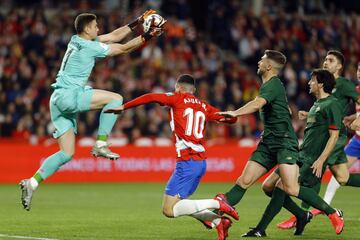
(169, 94)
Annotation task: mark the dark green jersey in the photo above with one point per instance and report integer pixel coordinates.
(344, 91)
(325, 114)
(276, 114)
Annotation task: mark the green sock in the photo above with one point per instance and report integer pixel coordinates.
(316, 188)
(354, 180)
(102, 138)
(309, 195)
(235, 194)
(292, 207)
(272, 209)
(38, 177)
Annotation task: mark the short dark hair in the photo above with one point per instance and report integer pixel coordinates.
(276, 56)
(339, 56)
(82, 20)
(186, 78)
(326, 78)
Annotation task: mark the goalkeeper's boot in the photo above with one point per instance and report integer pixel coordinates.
(103, 151)
(287, 224)
(254, 233)
(337, 221)
(26, 193)
(301, 223)
(226, 208)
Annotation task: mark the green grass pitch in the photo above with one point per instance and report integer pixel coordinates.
(133, 211)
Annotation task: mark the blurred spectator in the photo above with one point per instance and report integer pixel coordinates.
(220, 47)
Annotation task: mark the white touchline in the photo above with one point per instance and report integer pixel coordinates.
(25, 237)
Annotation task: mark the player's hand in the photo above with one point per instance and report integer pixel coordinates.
(141, 19)
(136, 25)
(226, 119)
(117, 110)
(157, 31)
(355, 125)
(317, 167)
(227, 114)
(347, 121)
(303, 115)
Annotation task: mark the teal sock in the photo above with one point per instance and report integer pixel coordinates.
(292, 207)
(272, 209)
(52, 164)
(354, 180)
(309, 195)
(235, 195)
(107, 120)
(316, 188)
(38, 177)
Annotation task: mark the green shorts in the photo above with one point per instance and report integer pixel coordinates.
(65, 104)
(270, 154)
(338, 155)
(307, 178)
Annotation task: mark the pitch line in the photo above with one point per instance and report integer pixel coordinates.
(25, 237)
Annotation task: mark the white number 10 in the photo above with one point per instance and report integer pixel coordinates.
(196, 125)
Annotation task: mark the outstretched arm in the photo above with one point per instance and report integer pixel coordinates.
(251, 107)
(161, 98)
(119, 34)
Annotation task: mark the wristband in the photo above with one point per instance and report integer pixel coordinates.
(146, 36)
(133, 24)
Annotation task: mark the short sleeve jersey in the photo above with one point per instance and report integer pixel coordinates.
(78, 62)
(325, 114)
(345, 91)
(276, 114)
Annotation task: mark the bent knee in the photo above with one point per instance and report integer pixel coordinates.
(245, 182)
(291, 190)
(267, 188)
(342, 180)
(168, 212)
(117, 96)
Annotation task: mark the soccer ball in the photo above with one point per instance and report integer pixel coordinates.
(153, 20)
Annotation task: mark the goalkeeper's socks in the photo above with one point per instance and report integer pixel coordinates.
(235, 194)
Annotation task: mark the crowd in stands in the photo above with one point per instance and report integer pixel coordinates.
(222, 54)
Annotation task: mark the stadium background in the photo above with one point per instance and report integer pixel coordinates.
(220, 47)
(217, 41)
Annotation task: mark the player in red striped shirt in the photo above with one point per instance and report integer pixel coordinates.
(188, 117)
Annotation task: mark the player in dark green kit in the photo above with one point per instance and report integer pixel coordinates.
(321, 135)
(278, 144)
(345, 92)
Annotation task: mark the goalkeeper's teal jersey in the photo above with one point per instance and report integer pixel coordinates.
(78, 62)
